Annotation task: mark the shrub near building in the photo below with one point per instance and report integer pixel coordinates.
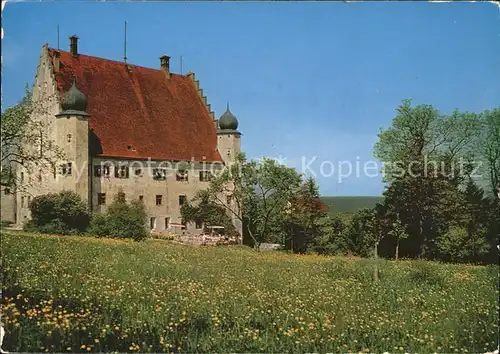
(62, 213)
(65, 213)
(121, 220)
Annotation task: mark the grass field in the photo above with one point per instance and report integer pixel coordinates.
(76, 294)
(349, 205)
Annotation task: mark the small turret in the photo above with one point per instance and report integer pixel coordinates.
(228, 121)
(73, 102)
(72, 130)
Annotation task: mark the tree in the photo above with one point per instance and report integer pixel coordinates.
(363, 233)
(202, 209)
(482, 219)
(423, 153)
(489, 147)
(398, 232)
(25, 142)
(331, 236)
(308, 220)
(259, 192)
(457, 246)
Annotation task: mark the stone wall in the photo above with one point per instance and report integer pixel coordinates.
(140, 183)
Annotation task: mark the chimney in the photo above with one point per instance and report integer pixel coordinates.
(165, 65)
(73, 45)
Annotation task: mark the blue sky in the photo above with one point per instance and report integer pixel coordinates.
(312, 79)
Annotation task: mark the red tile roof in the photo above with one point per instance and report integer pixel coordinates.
(139, 109)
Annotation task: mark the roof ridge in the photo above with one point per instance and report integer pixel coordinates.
(160, 118)
(115, 61)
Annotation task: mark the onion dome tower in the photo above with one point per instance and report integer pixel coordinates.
(74, 102)
(72, 127)
(228, 121)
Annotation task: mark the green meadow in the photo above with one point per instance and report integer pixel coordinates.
(82, 294)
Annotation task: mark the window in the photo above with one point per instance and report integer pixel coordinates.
(152, 223)
(22, 177)
(182, 199)
(97, 171)
(158, 199)
(205, 176)
(182, 175)
(138, 171)
(167, 223)
(101, 170)
(69, 138)
(29, 201)
(228, 199)
(101, 198)
(198, 223)
(121, 171)
(141, 198)
(159, 173)
(65, 169)
(22, 202)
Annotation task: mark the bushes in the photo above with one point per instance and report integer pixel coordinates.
(99, 226)
(121, 220)
(460, 245)
(63, 213)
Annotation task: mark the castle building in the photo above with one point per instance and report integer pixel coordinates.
(147, 132)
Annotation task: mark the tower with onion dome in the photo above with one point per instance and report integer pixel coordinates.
(72, 126)
(229, 146)
(228, 136)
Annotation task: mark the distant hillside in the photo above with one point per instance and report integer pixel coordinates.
(349, 205)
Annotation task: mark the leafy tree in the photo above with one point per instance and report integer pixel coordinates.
(260, 193)
(456, 245)
(425, 154)
(363, 233)
(398, 232)
(25, 142)
(62, 213)
(489, 147)
(482, 218)
(201, 208)
(331, 236)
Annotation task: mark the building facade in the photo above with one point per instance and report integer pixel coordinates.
(147, 132)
